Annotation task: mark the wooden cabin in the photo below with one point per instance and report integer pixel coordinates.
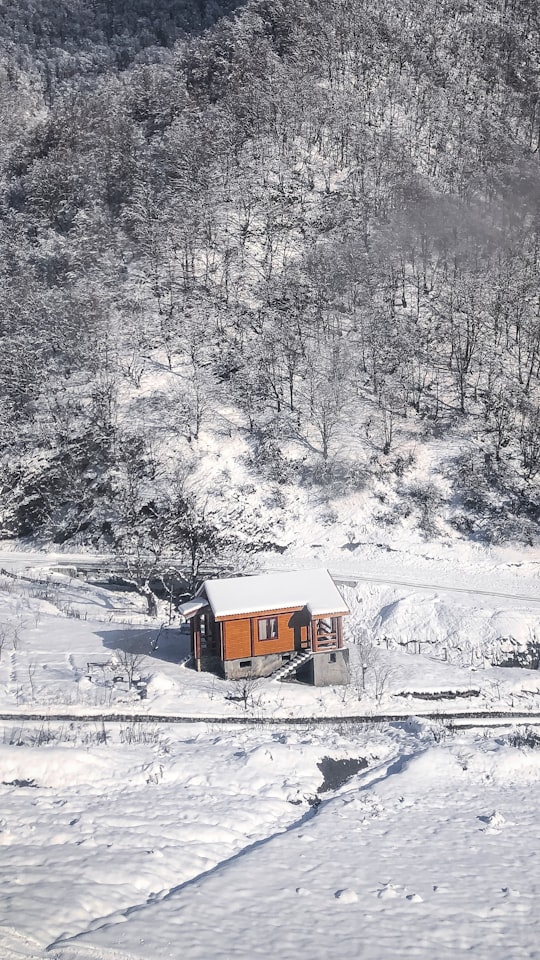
(259, 625)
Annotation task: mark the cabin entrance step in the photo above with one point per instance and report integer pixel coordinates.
(292, 665)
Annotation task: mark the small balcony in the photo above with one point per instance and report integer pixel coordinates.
(327, 634)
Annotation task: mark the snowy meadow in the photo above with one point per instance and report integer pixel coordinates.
(260, 827)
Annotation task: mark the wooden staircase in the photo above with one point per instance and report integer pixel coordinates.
(287, 669)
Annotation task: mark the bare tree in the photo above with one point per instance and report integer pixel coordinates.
(326, 399)
(529, 441)
(361, 669)
(382, 675)
(129, 663)
(32, 668)
(243, 691)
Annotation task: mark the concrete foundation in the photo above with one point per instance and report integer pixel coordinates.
(255, 666)
(327, 669)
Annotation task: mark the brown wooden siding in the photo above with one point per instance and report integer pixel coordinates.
(295, 631)
(237, 639)
(285, 637)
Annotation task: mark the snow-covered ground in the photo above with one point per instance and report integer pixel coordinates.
(209, 844)
(430, 855)
(428, 623)
(135, 839)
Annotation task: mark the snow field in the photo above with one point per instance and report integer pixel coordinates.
(88, 831)
(59, 636)
(133, 840)
(429, 854)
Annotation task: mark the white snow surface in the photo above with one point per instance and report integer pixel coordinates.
(429, 852)
(203, 841)
(400, 864)
(296, 589)
(434, 622)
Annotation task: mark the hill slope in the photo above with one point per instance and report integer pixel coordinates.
(295, 255)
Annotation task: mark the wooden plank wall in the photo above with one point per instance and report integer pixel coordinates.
(284, 642)
(238, 634)
(237, 639)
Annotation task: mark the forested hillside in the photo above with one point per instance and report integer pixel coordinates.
(310, 228)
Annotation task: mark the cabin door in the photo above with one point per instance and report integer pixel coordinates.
(303, 638)
(300, 625)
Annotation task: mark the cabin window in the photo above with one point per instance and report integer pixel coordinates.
(267, 628)
(245, 663)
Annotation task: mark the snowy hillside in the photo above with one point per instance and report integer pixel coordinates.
(261, 257)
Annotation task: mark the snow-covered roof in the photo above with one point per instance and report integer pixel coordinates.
(191, 607)
(313, 589)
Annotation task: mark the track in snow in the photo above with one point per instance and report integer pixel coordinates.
(353, 580)
(476, 718)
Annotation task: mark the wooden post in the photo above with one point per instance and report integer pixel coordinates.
(218, 639)
(206, 633)
(314, 642)
(196, 640)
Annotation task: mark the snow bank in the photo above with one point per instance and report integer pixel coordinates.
(52, 766)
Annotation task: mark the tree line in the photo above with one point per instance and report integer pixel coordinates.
(326, 214)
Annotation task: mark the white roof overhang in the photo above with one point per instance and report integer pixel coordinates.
(192, 607)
